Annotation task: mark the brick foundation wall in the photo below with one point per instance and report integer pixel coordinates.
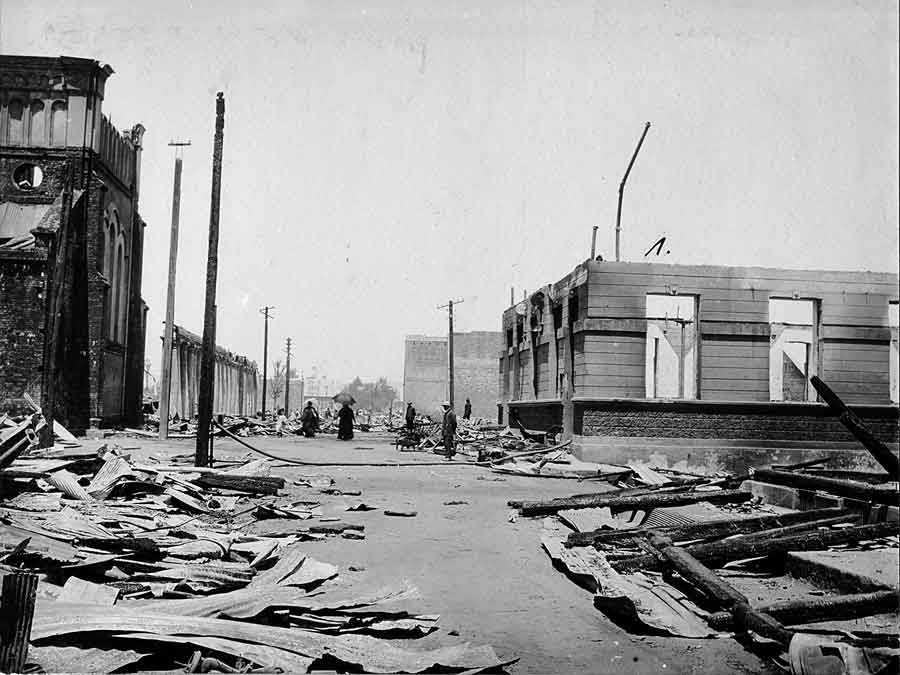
(21, 328)
(764, 422)
(538, 416)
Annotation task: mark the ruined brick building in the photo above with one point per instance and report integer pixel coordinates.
(71, 244)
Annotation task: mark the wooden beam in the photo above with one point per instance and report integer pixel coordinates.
(718, 528)
(815, 609)
(843, 488)
(615, 502)
(860, 431)
(718, 553)
(723, 593)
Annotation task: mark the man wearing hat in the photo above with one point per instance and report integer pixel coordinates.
(410, 417)
(448, 429)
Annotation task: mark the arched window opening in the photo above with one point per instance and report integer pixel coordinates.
(16, 110)
(58, 117)
(36, 133)
(117, 291)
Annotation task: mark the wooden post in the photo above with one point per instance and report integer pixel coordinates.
(719, 590)
(836, 486)
(207, 363)
(266, 312)
(168, 328)
(16, 615)
(609, 499)
(860, 431)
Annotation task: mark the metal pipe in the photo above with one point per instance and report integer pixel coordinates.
(594, 244)
(622, 187)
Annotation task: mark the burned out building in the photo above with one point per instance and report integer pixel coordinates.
(426, 371)
(616, 352)
(235, 385)
(72, 321)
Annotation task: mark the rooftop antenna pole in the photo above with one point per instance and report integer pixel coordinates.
(169, 327)
(449, 307)
(622, 187)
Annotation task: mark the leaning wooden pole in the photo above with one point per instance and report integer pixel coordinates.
(16, 615)
(208, 349)
(860, 431)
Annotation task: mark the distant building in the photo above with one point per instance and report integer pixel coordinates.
(629, 350)
(426, 372)
(235, 385)
(70, 233)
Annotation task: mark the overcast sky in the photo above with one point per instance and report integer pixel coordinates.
(383, 157)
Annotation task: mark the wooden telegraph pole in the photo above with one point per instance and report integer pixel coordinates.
(266, 312)
(208, 353)
(169, 327)
(287, 379)
(449, 307)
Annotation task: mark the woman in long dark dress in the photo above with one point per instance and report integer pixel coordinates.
(345, 423)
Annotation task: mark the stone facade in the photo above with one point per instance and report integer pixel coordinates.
(69, 223)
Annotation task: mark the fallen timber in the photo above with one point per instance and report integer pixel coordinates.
(709, 530)
(761, 545)
(860, 431)
(776, 532)
(813, 610)
(614, 502)
(723, 593)
(265, 485)
(843, 488)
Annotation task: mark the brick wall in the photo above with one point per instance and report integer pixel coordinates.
(776, 422)
(21, 328)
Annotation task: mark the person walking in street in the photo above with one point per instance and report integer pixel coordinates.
(345, 423)
(448, 430)
(280, 421)
(410, 417)
(309, 421)
(467, 410)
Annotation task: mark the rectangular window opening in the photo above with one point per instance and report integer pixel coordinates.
(793, 349)
(671, 347)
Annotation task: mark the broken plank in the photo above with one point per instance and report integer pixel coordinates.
(634, 502)
(264, 485)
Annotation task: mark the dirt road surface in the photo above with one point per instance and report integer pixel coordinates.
(487, 577)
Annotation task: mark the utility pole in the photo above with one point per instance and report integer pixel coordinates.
(622, 187)
(208, 349)
(449, 307)
(265, 311)
(169, 327)
(287, 380)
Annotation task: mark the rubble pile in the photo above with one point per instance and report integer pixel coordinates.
(124, 561)
(681, 555)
